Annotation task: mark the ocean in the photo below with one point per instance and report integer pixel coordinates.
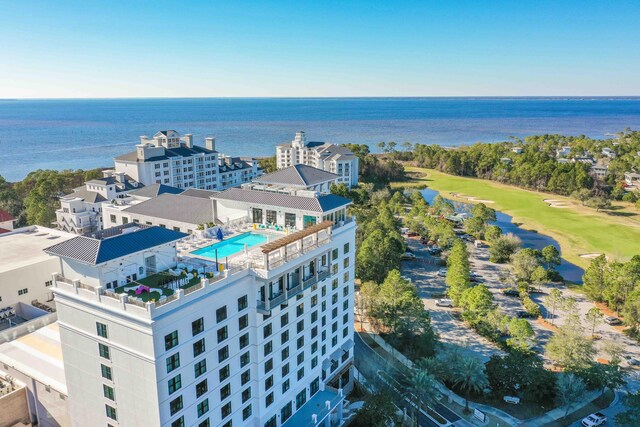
(63, 134)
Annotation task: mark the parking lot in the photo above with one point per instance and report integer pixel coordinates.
(423, 271)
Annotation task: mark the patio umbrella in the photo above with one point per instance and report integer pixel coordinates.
(219, 234)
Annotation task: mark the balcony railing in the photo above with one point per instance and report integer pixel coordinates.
(323, 275)
(309, 282)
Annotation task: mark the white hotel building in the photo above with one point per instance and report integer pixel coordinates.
(267, 341)
(322, 155)
(171, 159)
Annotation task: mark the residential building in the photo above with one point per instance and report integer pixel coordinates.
(322, 155)
(33, 363)
(632, 178)
(609, 152)
(563, 151)
(171, 159)
(186, 211)
(517, 150)
(25, 271)
(598, 170)
(265, 341)
(296, 177)
(7, 221)
(81, 211)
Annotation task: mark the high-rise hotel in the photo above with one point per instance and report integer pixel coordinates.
(159, 328)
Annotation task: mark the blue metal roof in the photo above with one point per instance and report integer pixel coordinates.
(114, 243)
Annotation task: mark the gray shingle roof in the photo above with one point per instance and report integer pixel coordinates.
(113, 243)
(196, 192)
(299, 175)
(183, 151)
(155, 190)
(86, 195)
(314, 204)
(176, 207)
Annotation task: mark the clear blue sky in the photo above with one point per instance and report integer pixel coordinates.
(318, 48)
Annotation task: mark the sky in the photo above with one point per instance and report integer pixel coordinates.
(115, 49)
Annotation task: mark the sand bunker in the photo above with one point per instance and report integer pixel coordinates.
(472, 199)
(556, 203)
(589, 256)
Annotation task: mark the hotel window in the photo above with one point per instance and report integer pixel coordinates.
(111, 412)
(345, 332)
(300, 309)
(223, 334)
(101, 329)
(285, 412)
(223, 353)
(289, 219)
(201, 388)
(226, 411)
(221, 314)
(272, 217)
(285, 370)
(300, 326)
(269, 399)
(268, 365)
(268, 348)
(203, 407)
(284, 337)
(300, 342)
(345, 262)
(242, 303)
(314, 362)
(175, 405)
(300, 358)
(205, 423)
(171, 340)
(285, 353)
(246, 413)
(243, 321)
(23, 291)
(200, 367)
(268, 383)
(334, 284)
(48, 284)
(106, 372)
(175, 383)
(346, 248)
(245, 377)
(284, 320)
(271, 422)
(178, 423)
(246, 394)
(104, 351)
(345, 277)
(198, 347)
(257, 215)
(315, 386)
(173, 362)
(301, 399)
(245, 359)
(224, 373)
(244, 340)
(108, 392)
(314, 332)
(300, 373)
(285, 386)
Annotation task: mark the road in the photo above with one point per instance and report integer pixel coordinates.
(369, 364)
(453, 332)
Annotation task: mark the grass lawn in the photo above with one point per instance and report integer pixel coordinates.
(597, 404)
(156, 281)
(578, 229)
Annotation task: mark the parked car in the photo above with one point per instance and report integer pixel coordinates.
(631, 360)
(511, 293)
(610, 320)
(442, 272)
(595, 419)
(408, 256)
(434, 250)
(444, 302)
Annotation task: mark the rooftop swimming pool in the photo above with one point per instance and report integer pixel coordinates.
(231, 246)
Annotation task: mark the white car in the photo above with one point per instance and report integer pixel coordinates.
(442, 272)
(595, 419)
(444, 302)
(408, 256)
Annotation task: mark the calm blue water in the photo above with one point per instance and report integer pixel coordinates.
(231, 246)
(530, 239)
(59, 134)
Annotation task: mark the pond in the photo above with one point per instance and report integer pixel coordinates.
(530, 239)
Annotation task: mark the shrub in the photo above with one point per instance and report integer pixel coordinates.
(531, 307)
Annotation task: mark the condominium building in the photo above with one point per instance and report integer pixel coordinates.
(7, 221)
(156, 332)
(322, 155)
(81, 211)
(171, 159)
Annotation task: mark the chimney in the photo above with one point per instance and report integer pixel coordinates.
(210, 143)
(188, 139)
(120, 177)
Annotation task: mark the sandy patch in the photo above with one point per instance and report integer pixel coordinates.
(589, 256)
(556, 203)
(471, 198)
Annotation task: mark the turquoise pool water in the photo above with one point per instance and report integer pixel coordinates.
(231, 246)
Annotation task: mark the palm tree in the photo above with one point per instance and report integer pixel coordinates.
(470, 376)
(431, 366)
(424, 387)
